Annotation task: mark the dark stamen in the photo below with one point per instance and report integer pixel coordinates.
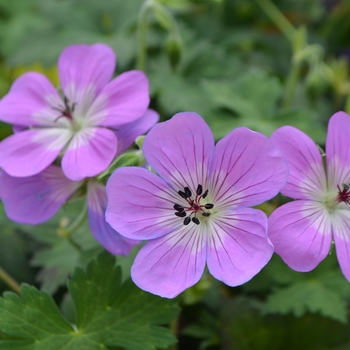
(180, 214)
(182, 194)
(205, 194)
(344, 194)
(178, 207)
(195, 220)
(206, 214)
(199, 190)
(188, 192)
(209, 206)
(187, 220)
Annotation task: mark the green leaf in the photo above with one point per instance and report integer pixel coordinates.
(253, 95)
(324, 290)
(109, 314)
(312, 296)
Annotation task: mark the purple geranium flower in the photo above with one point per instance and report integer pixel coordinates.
(35, 199)
(302, 230)
(195, 212)
(81, 125)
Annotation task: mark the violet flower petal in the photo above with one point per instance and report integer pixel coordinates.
(180, 150)
(101, 230)
(29, 101)
(307, 178)
(246, 169)
(341, 235)
(168, 265)
(140, 204)
(89, 153)
(127, 133)
(338, 150)
(122, 100)
(301, 233)
(35, 199)
(84, 70)
(29, 152)
(238, 246)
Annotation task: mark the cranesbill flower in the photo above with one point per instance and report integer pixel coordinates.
(302, 230)
(81, 124)
(35, 199)
(195, 212)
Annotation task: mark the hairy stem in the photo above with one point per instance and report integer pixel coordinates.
(278, 18)
(142, 36)
(67, 232)
(9, 281)
(291, 84)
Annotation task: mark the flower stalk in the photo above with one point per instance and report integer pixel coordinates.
(5, 277)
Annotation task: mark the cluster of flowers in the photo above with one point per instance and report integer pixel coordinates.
(193, 209)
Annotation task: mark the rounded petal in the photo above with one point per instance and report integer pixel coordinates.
(307, 178)
(85, 69)
(341, 235)
(168, 265)
(301, 234)
(29, 152)
(35, 199)
(140, 204)
(89, 153)
(238, 247)
(123, 100)
(128, 133)
(180, 150)
(246, 169)
(30, 101)
(338, 150)
(101, 230)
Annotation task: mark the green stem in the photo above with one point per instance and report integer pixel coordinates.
(347, 104)
(291, 84)
(9, 281)
(142, 36)
(67, 232)
(174, 328)
(278, 18)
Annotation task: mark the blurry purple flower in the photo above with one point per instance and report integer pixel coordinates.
(196, 211)
(302, 230)
(81, 124)
(35, 199)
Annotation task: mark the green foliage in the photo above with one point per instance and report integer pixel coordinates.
(108, 313)
(253, 97)
(323, 290)
(228, 61)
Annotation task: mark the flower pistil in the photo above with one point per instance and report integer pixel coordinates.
(194, 205)
(344, 193)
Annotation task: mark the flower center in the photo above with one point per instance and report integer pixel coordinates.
(344, 193)
(67, 111)
(191, 211)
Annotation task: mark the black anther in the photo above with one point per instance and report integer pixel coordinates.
(205, 194)
(182, 194)
(195, 220)
(206, 214)
(180, 214)
(178, 207)
(199, 190)
(188, 192)
(187, 220)
(209, 206)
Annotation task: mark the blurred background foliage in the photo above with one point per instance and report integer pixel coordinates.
(255, 63)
